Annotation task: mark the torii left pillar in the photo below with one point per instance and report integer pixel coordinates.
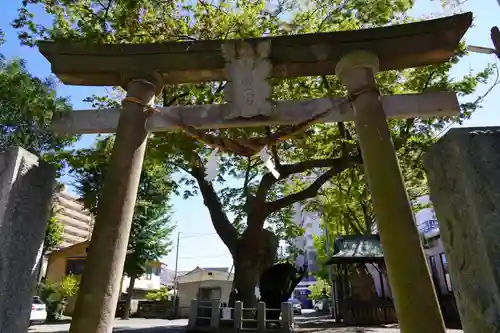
(415, 299)
(100, 285)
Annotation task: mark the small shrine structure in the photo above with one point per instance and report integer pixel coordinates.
(362, 293)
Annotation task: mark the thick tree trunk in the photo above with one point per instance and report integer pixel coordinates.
(128, 300)
(254, 254)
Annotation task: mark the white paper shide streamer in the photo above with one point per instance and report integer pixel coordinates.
(268, 162)
(211, 166)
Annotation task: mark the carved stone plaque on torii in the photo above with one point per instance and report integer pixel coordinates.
(354, 56)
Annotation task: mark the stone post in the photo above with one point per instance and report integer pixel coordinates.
(215, 315)
(286, 317)
(193, 314)
(100, 285)
(238, 316)
(415, 299)
(463, 171)
(261, 317)
(26, 188)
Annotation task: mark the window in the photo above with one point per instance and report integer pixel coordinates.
(434, 273)
(75, 266)
(207, 294)
(432, 264)
(444, 262)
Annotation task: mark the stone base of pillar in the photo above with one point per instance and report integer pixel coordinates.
(26, 187)
(463, 171)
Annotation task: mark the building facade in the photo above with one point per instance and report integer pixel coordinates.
(78, 223)
(71, 260)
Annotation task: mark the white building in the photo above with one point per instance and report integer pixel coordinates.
(149, 281)
(78, 222)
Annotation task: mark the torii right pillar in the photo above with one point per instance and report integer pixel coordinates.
(415, 298)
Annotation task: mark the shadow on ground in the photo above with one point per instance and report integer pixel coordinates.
(339, 329)
(323, 322)
(54, 323)
(156, 329)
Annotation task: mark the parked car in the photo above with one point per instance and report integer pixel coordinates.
(318, 306)
(296, 305)
(38, 311)
(321, 305)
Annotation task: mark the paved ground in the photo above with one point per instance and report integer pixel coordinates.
(138, 325)
(135, 325)
(313, 322)
(360, 330)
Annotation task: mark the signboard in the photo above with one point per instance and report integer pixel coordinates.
(428, 227)
(425, 218)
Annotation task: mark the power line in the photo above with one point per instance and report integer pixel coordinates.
(194, 235)
(224, 255)
(481, 98)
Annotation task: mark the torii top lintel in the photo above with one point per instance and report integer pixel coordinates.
(398, 47)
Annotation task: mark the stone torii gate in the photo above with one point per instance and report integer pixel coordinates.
(354, 56)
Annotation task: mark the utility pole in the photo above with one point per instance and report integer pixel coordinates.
(176, 304)
(230, 271)
(333, 306)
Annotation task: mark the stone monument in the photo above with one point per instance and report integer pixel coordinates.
(463, 171)
(26, 187)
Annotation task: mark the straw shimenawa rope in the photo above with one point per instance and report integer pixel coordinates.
(242, 147)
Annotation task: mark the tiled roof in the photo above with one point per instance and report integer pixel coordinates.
(217, 269)
(351, 249)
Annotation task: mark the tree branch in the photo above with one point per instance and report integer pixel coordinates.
(219, 89)
(180, 166)
(247, 177)
(343, 131)
(246, 181)
(286, 170)
(356, 226)
(367, 216)
(173, 100)
(348, 223)
(226, 231)
(336, 167)
(404, 133)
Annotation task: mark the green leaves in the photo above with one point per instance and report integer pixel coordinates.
(320, 290)
(151, 226)
(346, 200)
(53, 234)
(27, 105)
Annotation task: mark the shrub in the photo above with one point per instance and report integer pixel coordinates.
(158, 295)
(55, 295)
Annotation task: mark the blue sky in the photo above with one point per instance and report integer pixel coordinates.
(199, 244)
